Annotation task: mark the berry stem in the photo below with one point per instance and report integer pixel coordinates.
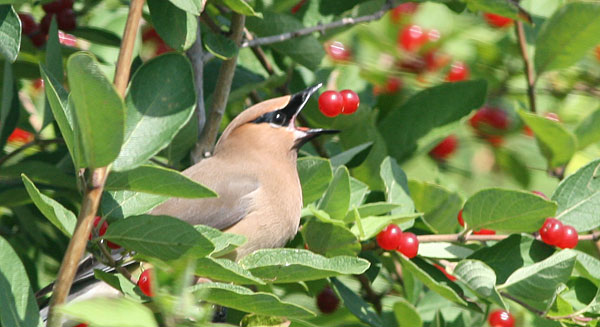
(111, 262)
(529, 73)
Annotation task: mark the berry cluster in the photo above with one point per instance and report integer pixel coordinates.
(327, 301)
(145, 282)
(392, 238)
(553, 232)
(102, 231)
(332, 103)
(482, 231)
(65, 19)
(501, 318)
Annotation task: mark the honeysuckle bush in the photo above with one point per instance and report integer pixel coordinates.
(377, 171)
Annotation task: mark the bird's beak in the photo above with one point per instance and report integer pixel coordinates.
(296, 104)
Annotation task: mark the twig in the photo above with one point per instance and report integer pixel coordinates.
(523, 304)
(595, 236)
(94, 188)
(114, 264)
(372, 296)
(195, 53)
(27, 146)
(529, 73)
(319, 28)
(205, 144)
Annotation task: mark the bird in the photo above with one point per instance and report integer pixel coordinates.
(253, 171)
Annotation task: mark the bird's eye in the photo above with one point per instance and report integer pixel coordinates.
(278, 118)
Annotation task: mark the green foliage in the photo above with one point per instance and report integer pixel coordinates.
(110, 312)
(10, 33)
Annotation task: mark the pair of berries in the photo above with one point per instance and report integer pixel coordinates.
(482, 231)
(102, 231)
(392, 238)
(333, 103)
(501, 318)
(553, 232)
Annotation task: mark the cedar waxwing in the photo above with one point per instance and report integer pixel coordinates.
(253, 171)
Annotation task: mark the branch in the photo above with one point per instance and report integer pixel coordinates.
(595, 236)
(195, 53)
(372, 296)
(529, 73)
(94, 188)
(205, 144)
(27, 146)
(319, 28)
(523, 304)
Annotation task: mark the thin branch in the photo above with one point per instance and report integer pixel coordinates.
(529, 73)
(372, 296)
(595, 236)
(319, 28)
(94, 188)
(114, 264)
(27, 146)
(523, 304)
(205, 144)
(195, 54)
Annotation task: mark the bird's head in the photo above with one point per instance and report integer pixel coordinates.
(271, 125)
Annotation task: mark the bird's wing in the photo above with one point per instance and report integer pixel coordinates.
(236, 192)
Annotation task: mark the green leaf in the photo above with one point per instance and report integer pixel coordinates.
(223, 242)
(430, 108)
(556, 143)
(588, 266)
(578, 198)
(243, 299)
(376, 208)
(9, 104)
(109, 312)
(194, 7)
(329, 240)
(567, 36)
(372, 225)
(480, 278)
(588, 130)
(353, 157)
(512, 253)
(121, 283)
(10, 33)
(406, 314)
(439, 206)
(98, 108)
(396, 186)
(430, 275)
(359, 191)
(19, 307)
(507, 210)
(444, 250)
(175, 26)
(509, 161)
(122, 204)
(97, 35)
(336, 199)
(305, 50)
(54, 63)
(537, 284)
(161, 237)
(160, 101)
(219, 45)
(58, 215)
(241, 7)
(157, 180)
(293, 265)
(315, 175)
(225, 270)
(39, 172)
(503, 8)
(355, 304)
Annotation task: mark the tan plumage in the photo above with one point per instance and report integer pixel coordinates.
(253, 170)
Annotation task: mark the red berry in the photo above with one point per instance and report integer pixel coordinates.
(551, 231)
(331, 103)
(461, 221)
(552, 116)
(490, 121)
(38, 38)
(145, 283)
(327, 301)
(458, 72)
(20, 136)
(28, 24)
(435, 60)
(392, 85)
(150, 35)
(405, 9)
(538, 193)
(497, 20)
(445, 148)
(569, 238)
(67, 39)
(389, 237)
(112, 245)
(45, 23)
(82, 325)
(102, 229)
(66, 20)
(433, 35)
(38, 83)
(409, 245)
(337, 51)
(442, 269)
(297, 7)
(411, 38)
(501, 318)
(351, 101)
(484, 231)
(57, 6)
